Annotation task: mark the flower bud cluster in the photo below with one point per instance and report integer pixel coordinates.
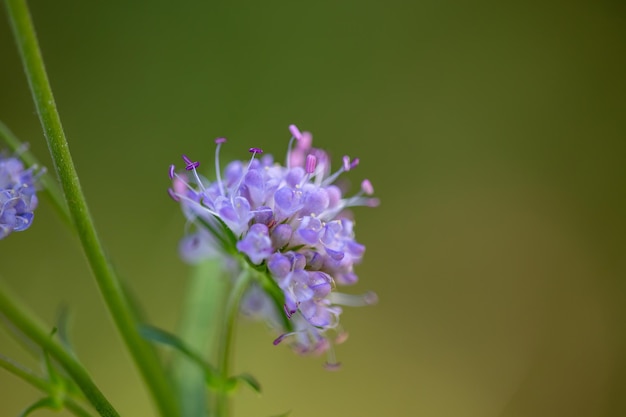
(290, 223)
(17, 196)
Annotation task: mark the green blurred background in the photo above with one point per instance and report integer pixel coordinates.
(493, 132)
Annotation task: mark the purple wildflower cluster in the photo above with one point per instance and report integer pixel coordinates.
(17, 196)
(288, 223)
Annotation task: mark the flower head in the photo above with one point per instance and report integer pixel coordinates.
(289, 224)
(17, 196)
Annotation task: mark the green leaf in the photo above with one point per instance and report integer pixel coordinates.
(53, 375)
(249, 380)
(63, 319)
(20, 337)
(283, 414)
(43, 403)
(157, 335)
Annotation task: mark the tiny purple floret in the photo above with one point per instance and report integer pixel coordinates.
(18, 198)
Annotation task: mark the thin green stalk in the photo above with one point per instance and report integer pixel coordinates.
(222, 403)
(76, 409)
(144, 356)
(40, 383)
(38, 334)
(23, 373)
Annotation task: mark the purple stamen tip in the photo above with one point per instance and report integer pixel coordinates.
(288, 311)
(173, 194)
(354, 163)
(172, 168)
(346, 163)
(279, 339)
(295, 132)
(190, 165)
(256, 150)
(220, 140)
(367, 187)
(311, 163)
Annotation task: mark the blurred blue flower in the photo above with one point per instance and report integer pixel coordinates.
(17, 196)
(289, 222)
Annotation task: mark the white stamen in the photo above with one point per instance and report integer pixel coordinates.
(367, 299)
(218, 170)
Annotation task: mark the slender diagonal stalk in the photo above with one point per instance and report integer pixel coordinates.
(144, 356)
(23, 373)
(36, 331)
(222, 403)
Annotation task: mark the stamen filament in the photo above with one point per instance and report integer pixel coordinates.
(218, 170)
(193, 202)
(253, 151)
(367, 299)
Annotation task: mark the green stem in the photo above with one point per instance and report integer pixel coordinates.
(40, 383)
(37, 333)
(144, 356)
(49, 184)
(75, 408)
(198, 328)
(222, 403)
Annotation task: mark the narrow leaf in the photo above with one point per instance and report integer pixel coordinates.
(283, 414)
(43, 403)
(249, 380)
(163, 337)
(62, 328)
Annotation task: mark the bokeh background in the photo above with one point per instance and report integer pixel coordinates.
(493, 132)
